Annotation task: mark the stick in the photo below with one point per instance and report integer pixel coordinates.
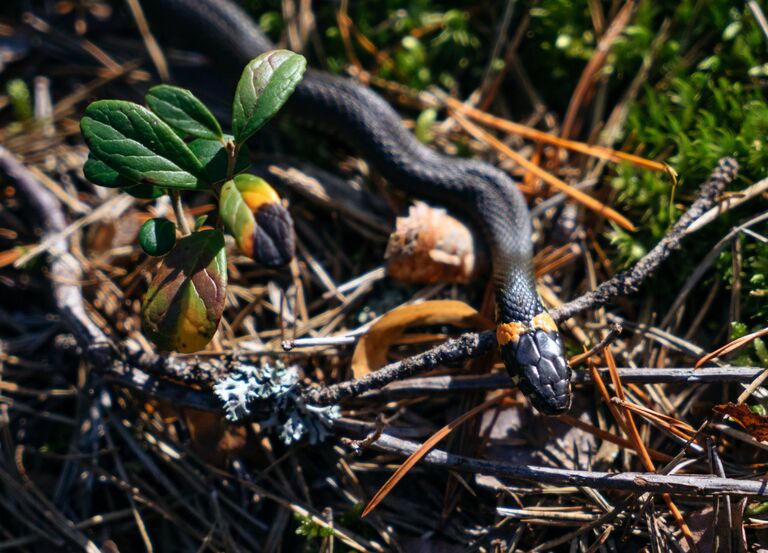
(687, 484)
(629, 281)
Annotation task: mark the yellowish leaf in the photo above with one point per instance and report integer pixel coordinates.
(371, 351)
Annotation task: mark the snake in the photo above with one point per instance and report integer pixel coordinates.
(530, 344)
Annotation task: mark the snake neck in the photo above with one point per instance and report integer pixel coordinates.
(530, 344)
(516, 297)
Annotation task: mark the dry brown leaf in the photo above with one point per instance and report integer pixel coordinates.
(371, 351)
(755, 425)
(213, 438)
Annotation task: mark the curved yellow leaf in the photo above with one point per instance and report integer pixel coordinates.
(371, 351)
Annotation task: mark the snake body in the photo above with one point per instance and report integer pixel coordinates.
(530, 344)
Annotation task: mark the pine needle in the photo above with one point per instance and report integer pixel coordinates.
(601, 152)
(584, 199)
(425, 448)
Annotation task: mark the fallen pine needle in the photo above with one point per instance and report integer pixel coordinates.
(540, 136)
(634, 437)
(584, 199)
(738, 343)
(425, 448)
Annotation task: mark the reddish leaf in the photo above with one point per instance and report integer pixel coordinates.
(755, 425)
(184, 304)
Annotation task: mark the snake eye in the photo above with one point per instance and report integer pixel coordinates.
(537, 360)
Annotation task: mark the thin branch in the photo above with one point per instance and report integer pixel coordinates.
(629, 281)
(456, 350)
(500, 380)
(638, 482)
(600, 346)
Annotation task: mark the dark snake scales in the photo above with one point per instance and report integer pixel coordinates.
(530, 344)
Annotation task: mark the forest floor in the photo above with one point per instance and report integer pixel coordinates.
(623, 124)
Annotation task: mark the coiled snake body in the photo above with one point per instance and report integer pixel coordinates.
(530, 344)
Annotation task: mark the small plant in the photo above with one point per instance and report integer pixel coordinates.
(177, 145)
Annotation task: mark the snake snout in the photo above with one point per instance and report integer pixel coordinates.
(537, 362)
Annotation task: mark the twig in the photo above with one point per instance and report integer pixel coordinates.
(464, 347)
(600, 346)
(729, 203)
(629, 281)
(543, 516)
(500, 380)
(358, 446)
(322, 341)
(704, 485)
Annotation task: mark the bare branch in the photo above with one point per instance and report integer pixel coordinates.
(500, 380)
(638, 482)
(456, 350)
(629, 281)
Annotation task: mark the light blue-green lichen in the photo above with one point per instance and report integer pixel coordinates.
(279, 390)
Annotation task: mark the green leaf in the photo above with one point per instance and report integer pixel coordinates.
(213, 155)
(262, 227)
(424, 124)
(139, 146)
(102, 174)
(157, 236)
(200, 221)
(21, 99)
(144, 191)
(183, 306)
(182, 110)
(265, 85)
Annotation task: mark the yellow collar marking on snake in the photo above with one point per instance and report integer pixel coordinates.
(544, 321)
(510, 332)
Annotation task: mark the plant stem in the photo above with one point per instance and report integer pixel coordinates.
(178, 210)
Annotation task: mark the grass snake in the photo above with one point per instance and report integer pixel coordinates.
(529, 342)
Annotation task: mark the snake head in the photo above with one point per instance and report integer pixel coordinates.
(535, 358)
